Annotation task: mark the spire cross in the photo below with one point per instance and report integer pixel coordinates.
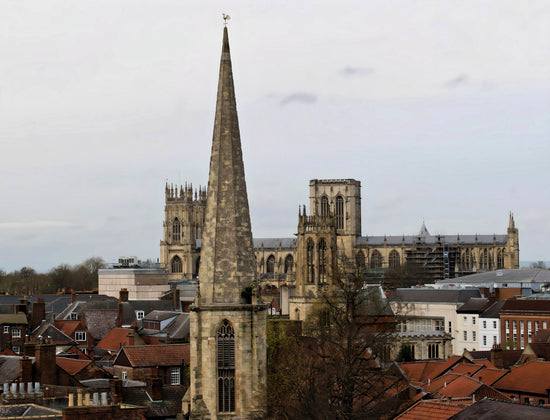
(225, 18)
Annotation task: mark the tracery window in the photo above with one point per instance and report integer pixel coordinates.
(310, 265)
(289, 264)
(394, 260)
(176, 230)
(500, 259)
(376, 259)
(177, 266)
(270, 266)
(360, 260)
(324, 206)
(322, 247)
(226, 368)
(339, 212)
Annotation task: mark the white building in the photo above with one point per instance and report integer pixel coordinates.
(489, 326)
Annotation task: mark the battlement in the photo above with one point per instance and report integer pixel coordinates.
(185, 193)
(348, 181)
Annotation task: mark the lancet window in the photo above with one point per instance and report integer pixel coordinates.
(500, 259)
(339, 212)
(394, 260)
(289, 264)
(226, 368)
(376, 259)
(176, 230)
(324, 206)
(310, 263)
(270, 266)
(177, 266)
(322, 247)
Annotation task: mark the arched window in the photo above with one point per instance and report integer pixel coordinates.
(500, 259)
(360, 261)
(176, 230)
(394, 260)
(310, 266)
(376, 259)
(289, 264)
(339, 212)
(226, 368)
(322, 248)
(176, 265)
(484, 259)
(262, 265)
(270, 267)
(324, 206)
(197, 265)
(467, 260)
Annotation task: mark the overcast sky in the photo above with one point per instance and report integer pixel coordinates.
(440, 108)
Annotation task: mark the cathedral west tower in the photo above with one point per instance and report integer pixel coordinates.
(228, 326)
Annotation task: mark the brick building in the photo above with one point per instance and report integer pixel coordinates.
(520, 319)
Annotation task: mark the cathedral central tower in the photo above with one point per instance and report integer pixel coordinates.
(228, 326)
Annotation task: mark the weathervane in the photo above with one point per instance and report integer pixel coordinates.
(225, 18)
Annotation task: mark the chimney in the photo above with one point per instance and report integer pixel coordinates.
(45, 362)
(497, 357)
(154, 388)
(21, 306)
(123, 295)
(131, 339)
(119, 314)
(25, 369)
(73, 297)
(38, 313)
(177, 302)
(116, 390)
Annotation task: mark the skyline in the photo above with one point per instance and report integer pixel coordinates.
(444, 118)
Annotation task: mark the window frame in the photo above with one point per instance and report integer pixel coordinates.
(81, 334)
(16, 333)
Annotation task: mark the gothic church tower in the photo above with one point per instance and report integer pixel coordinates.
(228, 326)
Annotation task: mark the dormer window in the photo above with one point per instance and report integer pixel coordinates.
(140, 315)
(80, 336)
(74, 315)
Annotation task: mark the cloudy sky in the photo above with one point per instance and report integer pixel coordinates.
(440, 108)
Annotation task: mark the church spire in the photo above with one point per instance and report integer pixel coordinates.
(227, 255)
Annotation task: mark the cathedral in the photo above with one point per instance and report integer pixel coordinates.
(331, 232)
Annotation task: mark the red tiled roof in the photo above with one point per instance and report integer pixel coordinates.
(67, 326)
(531, 378)
(422, 371)
(542, 336)
(490, 376)
(460, 387)
(468, 369)
(71, 366)
(159, 355)
(117, 338)
(431, 410)
(485, 363)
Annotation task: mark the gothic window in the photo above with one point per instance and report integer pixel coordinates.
(360, 260)
(197, 265)
(176, 230)
(176, 265)
(483, 259)
(433, 351)
(324, 206)
(339, 212)
(500, 259)
(394, 260)
(226, 368)
(322, 261)
(270, 267)
(310, 266)
(376, 259)
(262, 265)
(289, 264)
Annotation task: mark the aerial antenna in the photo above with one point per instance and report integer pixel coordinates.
(225, 18)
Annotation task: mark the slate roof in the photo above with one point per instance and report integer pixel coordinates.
(502, 410)
(275, 243)
(179, 328)
(129, 308)
(530, 378)
(155, 355)
(432, 410)
(432, 239)
(160, 315)
(434, 295)
(534, 306)
(493, 310)
(22, 411)
(72, 366)
(521, 275)
(9, 368)
(474, 306)
(169, 407)
(48, 330)
(14, 319)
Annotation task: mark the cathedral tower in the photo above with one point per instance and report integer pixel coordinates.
(228, 326)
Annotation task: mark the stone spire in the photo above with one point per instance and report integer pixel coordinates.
(227, 254)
